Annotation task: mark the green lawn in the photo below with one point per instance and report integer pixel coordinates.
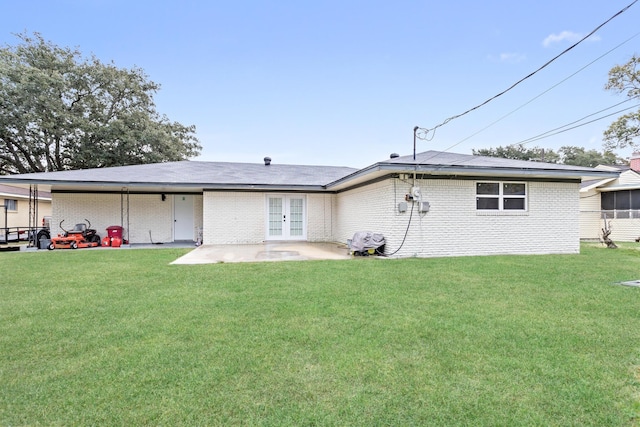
(108, 337)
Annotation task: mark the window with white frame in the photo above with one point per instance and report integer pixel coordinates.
(11, 204)
(501, 196)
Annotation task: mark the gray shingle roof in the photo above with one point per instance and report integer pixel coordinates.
(438, 163)
(440, 158)
(200, 173)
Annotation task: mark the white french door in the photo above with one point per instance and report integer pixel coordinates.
(286, 217)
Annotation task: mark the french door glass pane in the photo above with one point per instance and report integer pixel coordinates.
(275, 216)
(295, 217)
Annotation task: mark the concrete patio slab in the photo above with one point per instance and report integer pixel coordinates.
(280, 251)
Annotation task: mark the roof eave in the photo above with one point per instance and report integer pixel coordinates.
(266, 188)
(516, 172)
(619, 188)
(447, 170)
(597, 184)
(163, 185)
(23, 197)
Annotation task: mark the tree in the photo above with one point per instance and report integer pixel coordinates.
(519, 152)
(606, 232)
(579, 156)
(568, 155)
(60, 111)
(626, 129)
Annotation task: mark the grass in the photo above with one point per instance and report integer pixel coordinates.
(122, 338)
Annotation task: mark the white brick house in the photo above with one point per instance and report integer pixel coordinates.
(440, 204)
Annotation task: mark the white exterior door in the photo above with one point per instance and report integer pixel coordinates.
(183, 226)
(286, 217)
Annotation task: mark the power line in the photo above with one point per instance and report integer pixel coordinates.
(559, 130)
(549, 89)
(423, 133)
(562, 129)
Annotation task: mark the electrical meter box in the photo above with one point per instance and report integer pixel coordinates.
(415, 192)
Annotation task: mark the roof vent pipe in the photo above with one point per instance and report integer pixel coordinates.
(394, 155)
(267, 161)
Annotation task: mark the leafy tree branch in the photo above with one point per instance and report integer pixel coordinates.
(59, 110)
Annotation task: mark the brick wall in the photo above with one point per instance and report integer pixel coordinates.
(102, 210)
(233, 218)
(240, 218)
(451, 227)
(454, 227)
(198, 218)
(634, 162)
(146, 213)
(320, 217)
(369, 208)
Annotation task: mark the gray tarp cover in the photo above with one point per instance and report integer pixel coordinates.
(364, 240)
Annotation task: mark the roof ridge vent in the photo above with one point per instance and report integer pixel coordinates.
(267, 161)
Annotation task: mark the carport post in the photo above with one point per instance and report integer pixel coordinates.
(122, 207)
(6, 223)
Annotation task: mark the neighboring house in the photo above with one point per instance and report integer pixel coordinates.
(16, 203)
(616, 199)
(440, 204)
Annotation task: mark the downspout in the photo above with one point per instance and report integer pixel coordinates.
(6, 223)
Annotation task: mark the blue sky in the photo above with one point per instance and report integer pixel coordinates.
(344, 82)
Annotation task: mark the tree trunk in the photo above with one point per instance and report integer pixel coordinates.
(606, 231)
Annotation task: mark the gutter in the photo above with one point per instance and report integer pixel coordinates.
(117, 185)
(619, 187)
(446, 170)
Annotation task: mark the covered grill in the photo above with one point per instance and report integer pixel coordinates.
(367, 243)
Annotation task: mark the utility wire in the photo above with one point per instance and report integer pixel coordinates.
(562, 129)
(549, 89)
(559, 130)
(538, 96)
(423, 133)
(555, 131)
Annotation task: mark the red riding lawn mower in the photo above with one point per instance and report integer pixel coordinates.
(82, 236)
